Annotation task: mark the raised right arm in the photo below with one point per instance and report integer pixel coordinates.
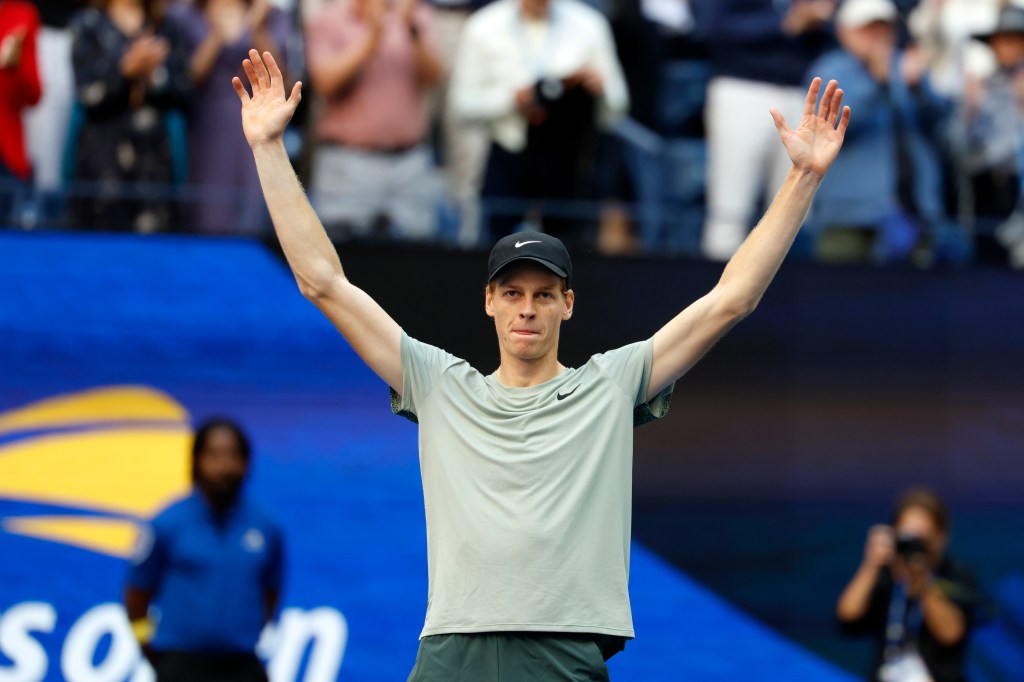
(375, 337)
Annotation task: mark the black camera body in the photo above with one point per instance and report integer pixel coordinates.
(910, 546)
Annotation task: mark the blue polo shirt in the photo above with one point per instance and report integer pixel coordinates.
(209, 576)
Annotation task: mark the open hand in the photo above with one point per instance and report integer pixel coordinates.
(266, 113)
(814, 145)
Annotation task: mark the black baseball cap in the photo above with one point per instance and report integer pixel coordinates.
(530, 245)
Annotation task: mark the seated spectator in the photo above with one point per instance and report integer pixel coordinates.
(760, 51)
(918, 604)
(131, 73)
(374, 63)
(219, 34)
(19, 89)
(883, 199)
(542, 74)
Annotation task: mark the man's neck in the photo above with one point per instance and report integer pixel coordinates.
(517, 373)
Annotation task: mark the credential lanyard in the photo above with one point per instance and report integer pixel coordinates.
(905, 620)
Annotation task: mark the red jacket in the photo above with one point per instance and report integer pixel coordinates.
(19, 85)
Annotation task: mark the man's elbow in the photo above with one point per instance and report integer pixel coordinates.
(318, 284)
(736, 308)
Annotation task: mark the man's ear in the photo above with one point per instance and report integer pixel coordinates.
(570, 301)
(488, 308)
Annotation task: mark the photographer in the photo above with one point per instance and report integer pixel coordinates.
(918, 604)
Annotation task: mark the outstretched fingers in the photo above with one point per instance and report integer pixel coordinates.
(825, 107)
(844, 121)
(240, 90)
(836, 109)
(780, 120)
(260, 69)
(812, 97)
(273, 69)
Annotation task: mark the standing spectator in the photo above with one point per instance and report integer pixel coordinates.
(987, 130)
(218, 34)
(19, 89)
(917, 603)
(760, 51)
(131, 72)
(884, 197)
(542, 74)
(374, 63)
(212, 562)
(464, 143)
(47, 122)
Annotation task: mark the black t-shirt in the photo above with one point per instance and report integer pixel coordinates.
(945, 663)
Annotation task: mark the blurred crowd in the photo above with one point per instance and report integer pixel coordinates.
(627, 126)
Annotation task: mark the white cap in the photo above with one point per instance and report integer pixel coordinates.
(859, 13)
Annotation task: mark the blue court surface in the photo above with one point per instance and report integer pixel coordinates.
(111, 346)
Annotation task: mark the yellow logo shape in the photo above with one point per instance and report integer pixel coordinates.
(118, 453)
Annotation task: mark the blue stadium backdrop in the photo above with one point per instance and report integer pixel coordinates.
(112, 346)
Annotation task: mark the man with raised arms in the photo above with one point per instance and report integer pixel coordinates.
(527, 472)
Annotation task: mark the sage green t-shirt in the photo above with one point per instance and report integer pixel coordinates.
(528, 491)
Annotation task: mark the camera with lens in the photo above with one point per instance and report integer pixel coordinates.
(910, 546)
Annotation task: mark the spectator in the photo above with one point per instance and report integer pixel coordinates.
(918, 604)
(131, 76)
(542, 74)
(987, 130)
(19, 89)
(212, 563)
(884, 198)
(631, 169)
(760, 51)
(218, 34)
(47, 122)
(374, 63)
(464, 143)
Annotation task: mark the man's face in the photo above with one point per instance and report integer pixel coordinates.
(1008, 48)
(919, 523)
(220, 467)
(865, 41)
(528, 307)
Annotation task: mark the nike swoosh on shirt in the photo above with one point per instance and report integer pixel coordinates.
(535, 241)
(563, 396)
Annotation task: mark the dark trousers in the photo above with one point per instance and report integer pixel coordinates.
(180, 666)
(554, 169)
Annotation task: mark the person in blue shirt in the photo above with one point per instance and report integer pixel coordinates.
(207, 572)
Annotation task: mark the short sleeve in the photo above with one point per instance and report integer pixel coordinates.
(422, 367)
(630, 368)
(149, 557)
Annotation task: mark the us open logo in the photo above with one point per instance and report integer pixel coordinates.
(87, 471)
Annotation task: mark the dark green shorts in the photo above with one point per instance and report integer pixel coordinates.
(514, 657)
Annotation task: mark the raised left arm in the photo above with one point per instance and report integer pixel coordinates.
(812, 147)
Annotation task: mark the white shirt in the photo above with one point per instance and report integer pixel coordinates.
(500, 53)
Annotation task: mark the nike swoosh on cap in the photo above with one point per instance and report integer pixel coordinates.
(535, 241)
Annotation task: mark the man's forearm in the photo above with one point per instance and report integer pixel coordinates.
(853, 602)
(309, 251)
(335, 73)
(944, 619)
(428, 64)
(754, 265)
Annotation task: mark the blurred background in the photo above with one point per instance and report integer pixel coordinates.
(143, 290)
